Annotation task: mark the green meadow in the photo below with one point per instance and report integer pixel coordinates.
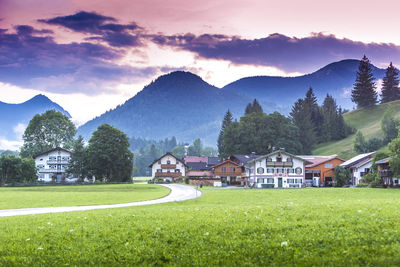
(77, 195)
(234, 227)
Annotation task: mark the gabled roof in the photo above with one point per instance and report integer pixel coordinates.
(383, 161)
(51, 150)
(201, 166)
(357, 159)
(318, 160)
(166, 154)
(213, 160)
(245, 158)
(199, 173)
(195, 159)
(224, 162)
(281, 152)
(362, 163)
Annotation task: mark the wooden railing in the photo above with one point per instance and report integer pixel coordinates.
(279, 164)
(168, 166)
(168, 174)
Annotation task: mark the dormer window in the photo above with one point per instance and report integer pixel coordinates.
(269, 159)
(168, 162)
(289, 159)
(279, 158)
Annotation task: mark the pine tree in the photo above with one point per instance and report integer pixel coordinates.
(390, 85)
(363, 93)
(329, 113)
(78, 161)
(254, 107)
(225, 123)
(316, 117)
(301, 117)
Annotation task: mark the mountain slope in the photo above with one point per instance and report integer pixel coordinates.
(20, 114)
(368, 120)
(336, 79)
(178, 104)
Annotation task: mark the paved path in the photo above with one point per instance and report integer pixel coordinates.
(178, 193)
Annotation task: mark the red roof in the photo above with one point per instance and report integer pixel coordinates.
(195, 159)
(315, 161)
(199, 173)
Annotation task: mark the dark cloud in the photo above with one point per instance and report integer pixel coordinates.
(102, 27)
(29, 59)
(287, 53)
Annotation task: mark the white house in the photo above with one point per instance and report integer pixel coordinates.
(278, 169)
(168, 167)
(359, 166)
(52, 164)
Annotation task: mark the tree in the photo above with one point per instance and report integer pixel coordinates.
(329, 113)
(301, 117)
(195, 149)
(389, 125)
(360, 145)
(109, 156)
(220, 142)
(17, 170)
(342, 176)
(179, 152)
(363, 93)
(311, 104)
(394, 162)
(209, 152)
(78, 162)
(254, 107)
(47, 131)
(390, 85)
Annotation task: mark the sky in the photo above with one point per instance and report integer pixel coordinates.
(90, 56)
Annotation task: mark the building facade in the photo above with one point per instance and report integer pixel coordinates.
(52, 165)
(278, 169)
(168, 168)
(321, 171)
(359, 166)
(228, 172)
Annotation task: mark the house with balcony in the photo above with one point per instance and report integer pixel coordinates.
(278, 169)
(168, 168)
(227, 172)
(52, 165)
(386, 173)
(359, 166)
(242, 160)
(321, 171)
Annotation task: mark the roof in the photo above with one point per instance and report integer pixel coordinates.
(195, 159)
(362, 162)
(318, 160)
(199, 173)
(197, 165)
(51, 150)
(245, 158)
(226, 161)
(383, 161)
(170, 154)
(282, 152)
(213, 161)
(351, 162)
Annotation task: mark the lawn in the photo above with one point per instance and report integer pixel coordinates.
(141, 178)
(344, 226)
(77, 195)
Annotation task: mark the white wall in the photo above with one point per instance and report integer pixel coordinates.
(164, 160)
(42, 163)
(357, 172)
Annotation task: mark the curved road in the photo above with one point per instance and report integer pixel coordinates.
(178, 193)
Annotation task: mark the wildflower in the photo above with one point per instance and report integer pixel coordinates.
(206, 233)
(284, 244)
(40, 248)
(71, 230)
(27, 239)
(359, 211)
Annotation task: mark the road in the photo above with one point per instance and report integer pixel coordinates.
(178, 193)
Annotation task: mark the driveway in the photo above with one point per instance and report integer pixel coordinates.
(178, 193)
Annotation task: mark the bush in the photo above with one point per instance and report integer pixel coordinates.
(369, 177)
(186, 180)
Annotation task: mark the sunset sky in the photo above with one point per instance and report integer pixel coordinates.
(89, 56)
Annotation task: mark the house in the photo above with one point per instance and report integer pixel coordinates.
(321, 170)
(168, 168)
(242, 161)
(385, 173)
(228, 172)
(52, 164)
(278, 169)
(359, 166)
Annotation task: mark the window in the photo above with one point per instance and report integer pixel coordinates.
(269, 180)
(223, 169)
(279, 158)
(299, 181)
(290, 170)
(168, 170)
(232, 169)
(159, 162)
(279, 170)
(168, 162)
(289, 159)
(270, 170)
(159, 170)
(299, 170)
(260, 170)
(269, 159)
(177, 170)
(328, 166)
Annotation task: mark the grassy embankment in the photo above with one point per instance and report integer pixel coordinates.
(368, 120)
(326, 226)
(54, 196)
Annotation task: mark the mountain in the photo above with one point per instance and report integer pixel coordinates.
(336, 79)
(178, 104)
(181, 104)
(16, 116)
(367, 120)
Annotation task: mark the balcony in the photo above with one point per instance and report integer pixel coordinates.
(385, 173)
(168, 166)
(219, 173)
(168, 174)
(57, 162)
(279, 164)
(43, 170)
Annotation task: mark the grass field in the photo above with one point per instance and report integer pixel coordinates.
(368, 120)
(142, 178)
(54, 196)
(327, 226)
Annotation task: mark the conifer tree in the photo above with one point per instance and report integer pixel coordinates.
(390, 85)
(363, 93)
(311, 104)
(301, 117)
(254, 107)
(225, 123)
